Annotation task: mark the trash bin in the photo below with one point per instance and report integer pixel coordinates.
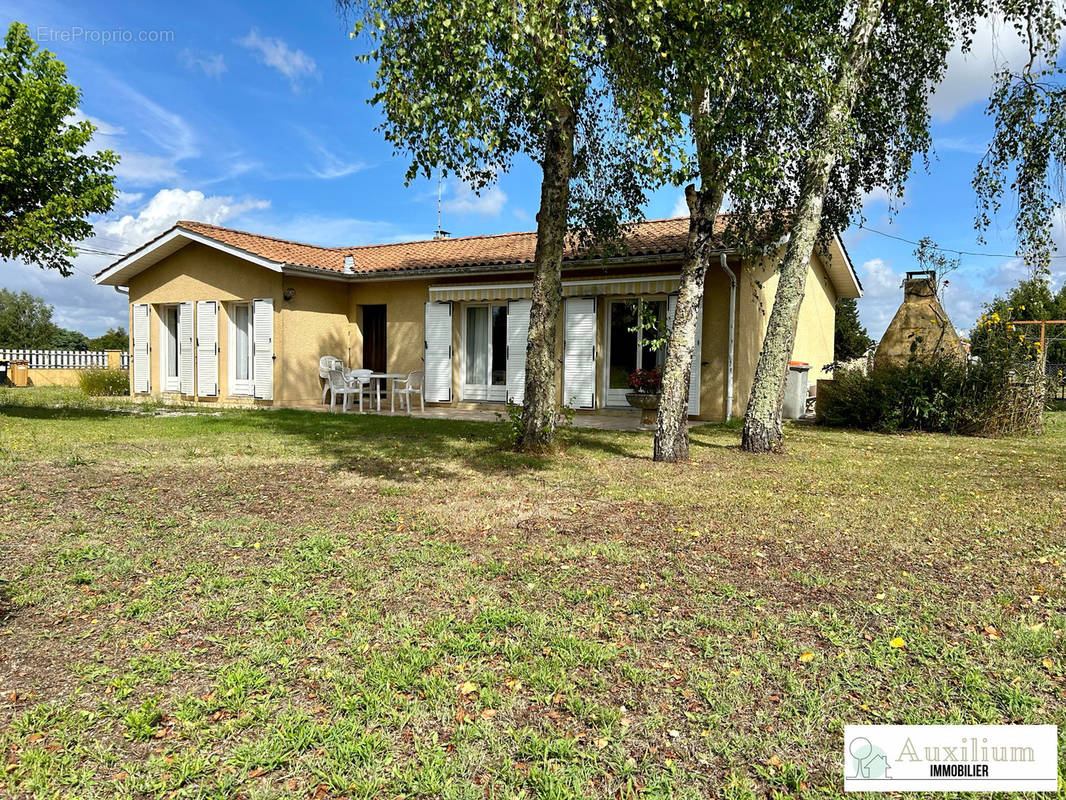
(20, 373)
(795, 405)
(3, 373)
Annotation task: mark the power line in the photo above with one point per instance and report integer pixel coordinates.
(92, 251)
(947, 249)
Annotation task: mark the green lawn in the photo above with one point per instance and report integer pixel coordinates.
(291, 604)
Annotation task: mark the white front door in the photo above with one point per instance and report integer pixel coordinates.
(240, 349)
(484, 353)
(627, 343)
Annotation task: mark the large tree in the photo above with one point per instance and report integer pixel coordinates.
(25, 321)
(113, 339)
(49, 181)
(850, 339)
(880, 71)
(467, 88)
(711, 88)
(874, 121)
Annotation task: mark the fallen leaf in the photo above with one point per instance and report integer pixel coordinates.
(806, 656)
(469, 687)
(897, 643)
(489, 713)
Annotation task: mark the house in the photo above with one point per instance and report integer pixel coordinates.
(222, 315)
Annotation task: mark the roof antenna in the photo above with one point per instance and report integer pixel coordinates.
(440, 233)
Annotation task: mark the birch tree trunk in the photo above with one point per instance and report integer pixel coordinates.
(671, 429)
(541, 399)
(762, 420)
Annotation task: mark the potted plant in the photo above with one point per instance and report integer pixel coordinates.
(646, 385)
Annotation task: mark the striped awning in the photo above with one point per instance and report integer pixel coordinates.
(644, 285)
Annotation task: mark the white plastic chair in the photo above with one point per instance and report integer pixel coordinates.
(361, 378)
(325, 364)
(409, 386)
(339, 385)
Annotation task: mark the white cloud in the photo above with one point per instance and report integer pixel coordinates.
(170, 205)
(680, 208)
(328, 163)
(82, 305)
(486, 202)
(881, 295)
(293, 64)
(968, 78)
(211, 64)
(961, 144)
(169, 139)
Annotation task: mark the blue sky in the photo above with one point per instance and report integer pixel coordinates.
(254, 115)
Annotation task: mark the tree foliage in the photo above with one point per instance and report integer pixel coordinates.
(25, 321)
(467, 88)
(49, 183)
(1031, 299)
(1027, 154)
(113, 339)
(850, 339)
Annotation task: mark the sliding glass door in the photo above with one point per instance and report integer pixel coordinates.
(628, 347)
(485, 353)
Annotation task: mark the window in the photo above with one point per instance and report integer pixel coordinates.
(169, 342)
(628, 346)
(240, 348)
(485, 353)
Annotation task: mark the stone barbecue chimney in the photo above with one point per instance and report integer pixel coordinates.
(921, 325)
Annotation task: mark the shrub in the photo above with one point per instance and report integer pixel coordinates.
(1000, 393)
(105, 382)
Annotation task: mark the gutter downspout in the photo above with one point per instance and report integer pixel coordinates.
(732, 330)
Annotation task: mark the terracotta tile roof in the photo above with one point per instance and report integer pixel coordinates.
(656, 237)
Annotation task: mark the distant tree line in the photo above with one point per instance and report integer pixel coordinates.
(26, 322)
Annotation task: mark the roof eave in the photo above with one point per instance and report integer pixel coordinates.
(166, 244)
(854, 290)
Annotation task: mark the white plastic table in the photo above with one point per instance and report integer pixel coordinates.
(379, 378)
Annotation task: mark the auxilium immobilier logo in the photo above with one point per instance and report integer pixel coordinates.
(951, 758)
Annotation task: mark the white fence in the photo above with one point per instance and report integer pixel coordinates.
(63, 359)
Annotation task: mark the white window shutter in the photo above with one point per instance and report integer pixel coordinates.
(579, 353)
(185, 348)
(517, 341)
(140, 344)
(438, 352)
(207, 348)
(696, 370)
(263, 348)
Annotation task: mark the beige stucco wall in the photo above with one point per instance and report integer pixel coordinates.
(322, 316)
(814, 334)
(313, 323)
(405, 314)
(53, 377)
